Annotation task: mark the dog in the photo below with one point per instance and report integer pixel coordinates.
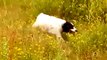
(53, 25)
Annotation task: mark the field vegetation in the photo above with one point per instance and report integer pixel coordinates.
(19, 41)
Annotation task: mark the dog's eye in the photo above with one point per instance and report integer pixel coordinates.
(71, 27)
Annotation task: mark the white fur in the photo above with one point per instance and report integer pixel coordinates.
(50, 24)
(74, 29)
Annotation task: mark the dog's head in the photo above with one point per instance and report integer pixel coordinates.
(68, 27)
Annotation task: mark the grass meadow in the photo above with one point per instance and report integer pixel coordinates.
(19, 41)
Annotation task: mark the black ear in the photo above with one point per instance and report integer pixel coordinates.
(67, 26)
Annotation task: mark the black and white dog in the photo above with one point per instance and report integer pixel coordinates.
(53, 25)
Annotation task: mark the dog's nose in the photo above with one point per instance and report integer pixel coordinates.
(76, 31)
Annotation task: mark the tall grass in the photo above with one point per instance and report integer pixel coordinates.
(19, 41)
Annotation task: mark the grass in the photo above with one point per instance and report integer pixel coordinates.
(19, 41)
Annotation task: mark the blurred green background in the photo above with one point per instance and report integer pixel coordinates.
(19, 41)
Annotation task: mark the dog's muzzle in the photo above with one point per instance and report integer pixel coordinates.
(73, 30)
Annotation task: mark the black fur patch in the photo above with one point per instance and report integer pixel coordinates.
(66, 27)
